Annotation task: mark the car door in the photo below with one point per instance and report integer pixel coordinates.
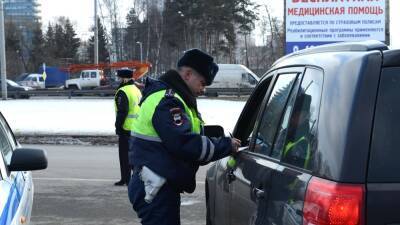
(249, 179)
(294, 147)
(85, 81)
(94, 79)
(11, 183)
(244, 127)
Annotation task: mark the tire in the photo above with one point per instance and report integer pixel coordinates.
(72, 87)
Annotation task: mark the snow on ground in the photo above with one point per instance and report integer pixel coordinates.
(94, 116)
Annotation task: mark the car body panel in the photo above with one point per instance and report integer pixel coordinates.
(16, 187)
(33, 80)
(250, 188)
(343, 139)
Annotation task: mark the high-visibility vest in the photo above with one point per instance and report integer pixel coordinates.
(134, 96)
(290, 146)
(143, 126)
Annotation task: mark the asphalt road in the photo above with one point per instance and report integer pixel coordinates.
(77, 189)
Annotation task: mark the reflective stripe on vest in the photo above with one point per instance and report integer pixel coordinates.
(289, 146)
(134, 96)
(143, 126)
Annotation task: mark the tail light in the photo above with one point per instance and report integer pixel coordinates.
(331, 203)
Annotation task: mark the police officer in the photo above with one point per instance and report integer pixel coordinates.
(297, 149)
(127, 100)
(167, 144)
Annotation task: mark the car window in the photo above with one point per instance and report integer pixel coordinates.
(34, 78)
(8, 132)
(251, 79)
(41, 79)
(93, 74)
(5, 145)
(247, 119)
(272, 113)
(244, 78)
(296, 141)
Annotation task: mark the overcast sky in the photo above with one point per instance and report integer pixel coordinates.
(81, 14)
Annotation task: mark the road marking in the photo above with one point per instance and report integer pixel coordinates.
(84, 179)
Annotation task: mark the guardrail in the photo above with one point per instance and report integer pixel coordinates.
(73, 93)
(228, 91)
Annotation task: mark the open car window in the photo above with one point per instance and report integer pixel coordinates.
(247, 119)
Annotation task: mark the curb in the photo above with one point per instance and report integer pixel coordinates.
(68, 140)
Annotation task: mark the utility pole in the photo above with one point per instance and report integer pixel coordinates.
(141, 50)
(2, 54)
(96, 35)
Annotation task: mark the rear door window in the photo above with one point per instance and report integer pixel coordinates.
(296, 141)
(384, 163)
(93, 74)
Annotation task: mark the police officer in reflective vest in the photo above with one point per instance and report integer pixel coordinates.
(297, 149)
(167, 143)
(127, 100)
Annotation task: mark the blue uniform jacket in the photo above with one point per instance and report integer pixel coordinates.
(178, 156)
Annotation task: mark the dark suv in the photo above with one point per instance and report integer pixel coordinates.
(321, 143)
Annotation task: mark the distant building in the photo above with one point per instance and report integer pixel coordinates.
(24, 14)
(21, 12)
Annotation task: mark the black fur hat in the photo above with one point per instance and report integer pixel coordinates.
(125, 73)
(201, 62)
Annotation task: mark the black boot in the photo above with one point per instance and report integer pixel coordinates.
(120, 183)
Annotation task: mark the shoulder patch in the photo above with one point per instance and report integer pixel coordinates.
(169, 93)
(176, 114)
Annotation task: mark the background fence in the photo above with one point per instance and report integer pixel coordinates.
(214, 92)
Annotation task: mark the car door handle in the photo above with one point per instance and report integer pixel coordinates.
(259, 193)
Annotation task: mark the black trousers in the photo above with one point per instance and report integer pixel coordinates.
(123, 147)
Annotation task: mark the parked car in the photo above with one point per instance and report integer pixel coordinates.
(320, 143)
(33, 80)
(15, 90)
(16, 186)
(87, 79)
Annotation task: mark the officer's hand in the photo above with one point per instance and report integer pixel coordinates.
(235, 144)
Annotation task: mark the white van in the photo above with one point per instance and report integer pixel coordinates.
(234, 76)
(33, 80)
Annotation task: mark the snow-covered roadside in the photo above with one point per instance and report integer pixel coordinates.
(93, 117)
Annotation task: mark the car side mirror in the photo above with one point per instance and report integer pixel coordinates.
(214, 131)
(26, 159)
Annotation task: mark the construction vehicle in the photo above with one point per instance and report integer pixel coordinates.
(92, 76)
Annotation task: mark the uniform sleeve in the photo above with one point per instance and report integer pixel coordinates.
(173, 126)
(121, 101)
